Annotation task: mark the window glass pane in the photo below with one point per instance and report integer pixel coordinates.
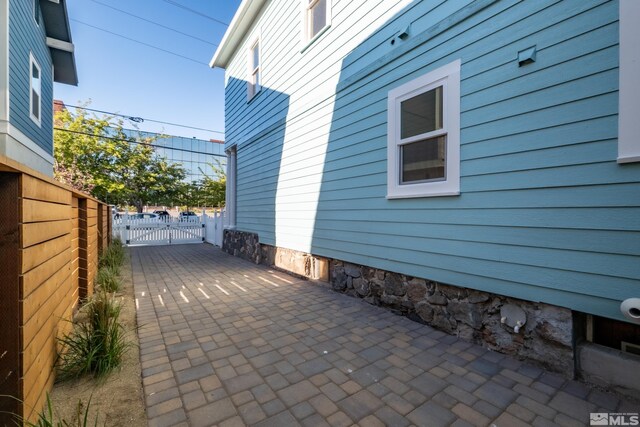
(35, 104)
(317, 17)
(35, 91)
(256, 56)
(423, 160)
(35, 73)
(421, 114)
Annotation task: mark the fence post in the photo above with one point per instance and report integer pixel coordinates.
(125, 229)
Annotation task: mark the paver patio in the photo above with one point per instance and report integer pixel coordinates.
(225, 342)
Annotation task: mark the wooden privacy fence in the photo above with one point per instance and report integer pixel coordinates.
(51, 236)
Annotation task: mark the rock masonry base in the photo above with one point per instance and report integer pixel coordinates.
(546, 338)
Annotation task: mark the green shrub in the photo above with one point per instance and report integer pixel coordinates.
(109, 279)
(97, 343)
(113, 255)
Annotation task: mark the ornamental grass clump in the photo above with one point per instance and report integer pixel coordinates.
(113, 255)
(48, 418)
(97, 343)
(109, 279)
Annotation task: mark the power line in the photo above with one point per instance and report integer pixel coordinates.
(141, 119)
(140, 42)
(154, 23)
(176, 4)
(137, 142)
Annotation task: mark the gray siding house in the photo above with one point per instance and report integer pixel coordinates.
(36, 50)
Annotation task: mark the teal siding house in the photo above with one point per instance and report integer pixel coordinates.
(474, 165)
(36, 49)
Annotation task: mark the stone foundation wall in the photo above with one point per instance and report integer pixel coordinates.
(545, 338)
(246, 245)
(242, 244)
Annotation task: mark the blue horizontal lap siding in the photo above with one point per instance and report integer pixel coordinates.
(25, 37)
(544, 213)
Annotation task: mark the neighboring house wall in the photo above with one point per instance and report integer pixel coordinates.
(544, 213)
(20, 137)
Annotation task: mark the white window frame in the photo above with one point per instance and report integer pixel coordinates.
(629, 95)
(307, 38)
(36, 12)
(253, 87)
(231, 192)
(36, 119)
(448, 77)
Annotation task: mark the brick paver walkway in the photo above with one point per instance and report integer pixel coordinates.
(225, 342)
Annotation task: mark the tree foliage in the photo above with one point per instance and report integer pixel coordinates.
(213, 188)
(95, 155)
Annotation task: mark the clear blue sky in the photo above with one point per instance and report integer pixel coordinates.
(122, 76)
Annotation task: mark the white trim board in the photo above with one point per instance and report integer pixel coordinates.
(60, 45)
(13, 132)
(4, 56)
(629, 95)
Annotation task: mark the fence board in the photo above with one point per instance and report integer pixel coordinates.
(36, 276)
(38, 232)
(37, 254)
(42, 329)
(42, 294)
(34, 188)
(36, 211)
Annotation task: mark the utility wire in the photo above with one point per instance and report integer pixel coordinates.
(140, 42)
(140, 119)
(176, 4)
(138, 142)
(154, 22)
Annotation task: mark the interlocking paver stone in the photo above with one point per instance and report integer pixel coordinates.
(301, 354)
(360, 404)
(297, 393)
(242, 382)
(431, 414)
(284, 418)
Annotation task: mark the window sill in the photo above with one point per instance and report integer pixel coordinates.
(628, 159)
(422, 195)
(250, 100)
(36, 121)
(316, 37)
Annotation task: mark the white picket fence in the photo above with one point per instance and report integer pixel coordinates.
(170, 231)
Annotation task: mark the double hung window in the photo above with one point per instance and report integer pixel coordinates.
(253, 86)
(316, 18)
(423, 150)
(35, 90)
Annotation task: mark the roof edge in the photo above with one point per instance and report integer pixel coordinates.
(56, 22)
(240, 25)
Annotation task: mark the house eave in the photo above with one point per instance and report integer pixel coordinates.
(240, 25)
(58, 31)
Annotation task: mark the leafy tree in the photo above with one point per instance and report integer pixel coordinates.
(213, 189)
(96, 155)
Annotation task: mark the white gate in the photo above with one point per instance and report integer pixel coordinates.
(170, 231)
(214, 227)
